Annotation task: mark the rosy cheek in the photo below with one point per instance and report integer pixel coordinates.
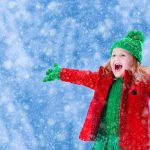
(127, 66)
(111, 64)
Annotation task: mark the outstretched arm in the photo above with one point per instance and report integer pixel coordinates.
(80, 77)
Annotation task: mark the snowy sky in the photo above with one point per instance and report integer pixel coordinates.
(35, 34)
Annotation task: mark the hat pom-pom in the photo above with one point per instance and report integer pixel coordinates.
(136, 35)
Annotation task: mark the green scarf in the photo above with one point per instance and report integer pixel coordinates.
(107, 137)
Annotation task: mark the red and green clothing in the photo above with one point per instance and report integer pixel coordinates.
(133, 108)
(107, 137)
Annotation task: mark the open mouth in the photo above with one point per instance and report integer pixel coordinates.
(118, 67)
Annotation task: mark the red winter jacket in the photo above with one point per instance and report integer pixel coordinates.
(133, 116)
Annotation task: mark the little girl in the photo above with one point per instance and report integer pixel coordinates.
(117, 117)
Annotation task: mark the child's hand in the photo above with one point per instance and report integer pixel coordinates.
(52, 74)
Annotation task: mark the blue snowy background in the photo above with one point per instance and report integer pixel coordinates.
(35, 34)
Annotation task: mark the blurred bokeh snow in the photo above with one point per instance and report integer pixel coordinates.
(35, 34)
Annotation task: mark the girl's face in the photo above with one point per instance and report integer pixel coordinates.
(120, 61)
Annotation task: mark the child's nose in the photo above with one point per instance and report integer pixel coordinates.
(117, 58)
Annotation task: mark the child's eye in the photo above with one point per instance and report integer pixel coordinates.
(113, 55)
(123, 55)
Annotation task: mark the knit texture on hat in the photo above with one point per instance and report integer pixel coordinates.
(132, 42)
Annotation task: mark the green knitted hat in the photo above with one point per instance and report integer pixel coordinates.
(132, 42)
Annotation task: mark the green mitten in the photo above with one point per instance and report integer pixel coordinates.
(52, 74)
